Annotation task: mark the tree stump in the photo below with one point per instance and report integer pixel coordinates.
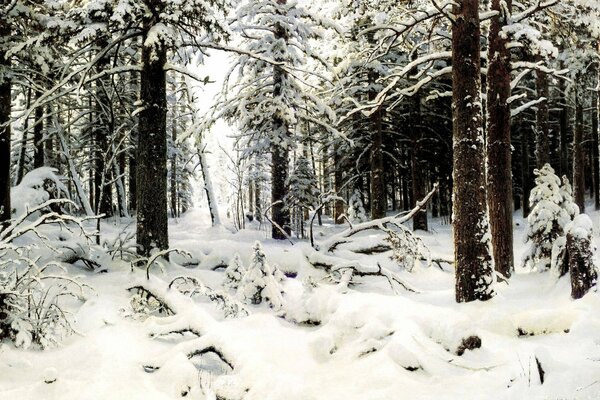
(580, 255)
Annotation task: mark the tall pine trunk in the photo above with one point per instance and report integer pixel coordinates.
(5, 110)
(542, 148)
(499, 178)
(151, 174)
(378, 197)
(279, 157)
(474, 273)
(578, 153)
(418, 170)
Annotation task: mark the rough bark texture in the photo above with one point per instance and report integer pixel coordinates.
(542, 149)
(151, 175)
(378, 197)
(173, 171)
(499, 179)
(578, 155)
(279, 159)
(563, 119)
(581, 265)
(471, 231)
(5, 110)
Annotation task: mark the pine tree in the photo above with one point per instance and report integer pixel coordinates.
(474, 270)
(551, 210)
(356, 210)
(260, 282)
(234, 272)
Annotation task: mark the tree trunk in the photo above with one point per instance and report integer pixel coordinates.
(526, 182)
(542, 148)
(38, 137)
(473, 261)
(499, 169)
(578, 156)
(338, 208)
(279, 158)
(23, 154)
(595, 149)
(563, 118)
(5, 116)
(378, 197)
(210, 193)
(173, 170)
(581, 265)
(151, 174)
(417, 167)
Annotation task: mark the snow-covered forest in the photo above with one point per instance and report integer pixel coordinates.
(299, 199)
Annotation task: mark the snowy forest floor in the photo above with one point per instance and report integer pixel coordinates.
(371, 343)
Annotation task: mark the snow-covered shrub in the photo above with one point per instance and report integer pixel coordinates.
(407, 249)
(259, 282)
(552, 208)
(356, 209)
(234, 272)
(37, 187)
(30, 309)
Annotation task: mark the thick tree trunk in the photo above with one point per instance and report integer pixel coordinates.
(542, 149)
(473, 261)
(151, 174)
(5, 115)
(208, 189)
(578, 154)
(499, 169)
(279, 162)
(581, 265)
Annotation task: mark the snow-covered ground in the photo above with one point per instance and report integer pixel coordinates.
(328, 342)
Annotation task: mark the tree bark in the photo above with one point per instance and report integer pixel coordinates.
(378, 197)
(578, 156)
(5, 116)
(563, 118)
(499, 170)
(542, 148)
(595, 144)
(417, 168)
(473, 261)
(581, 265)
(23, 154)
(38, 137)
(338, 205)
(279, 157)
(151, 174)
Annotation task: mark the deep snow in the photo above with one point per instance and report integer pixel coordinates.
(371, 343)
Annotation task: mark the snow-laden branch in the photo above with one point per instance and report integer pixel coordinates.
(537, 6)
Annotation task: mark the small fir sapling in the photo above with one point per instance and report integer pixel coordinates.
(356, 209)
(234, 273)
(551, 210)
(259, 282)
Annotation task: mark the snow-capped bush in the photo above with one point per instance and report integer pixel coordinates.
(259, 282)
(234, 272)
(37, 187)
(552, 208)
(30, 311)
(356, 209)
